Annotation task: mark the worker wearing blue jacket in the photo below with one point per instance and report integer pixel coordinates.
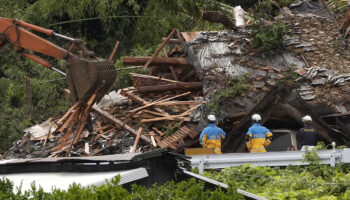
(258, 136)
(212, 135)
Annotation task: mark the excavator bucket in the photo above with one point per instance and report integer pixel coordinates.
(87, 75)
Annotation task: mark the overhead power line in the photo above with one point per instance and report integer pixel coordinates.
(98, 18)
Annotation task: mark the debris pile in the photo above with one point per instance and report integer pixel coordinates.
(166, 108)
(308, 76)
(158, 111)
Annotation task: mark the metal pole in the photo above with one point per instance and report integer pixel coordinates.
(64, 37)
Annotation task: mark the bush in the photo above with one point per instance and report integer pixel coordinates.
(190, 190)
(293, 182)
(269, 37)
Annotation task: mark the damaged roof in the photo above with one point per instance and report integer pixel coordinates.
(313, 48)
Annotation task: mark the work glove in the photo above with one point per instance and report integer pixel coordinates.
(249, 145)
(267, 142)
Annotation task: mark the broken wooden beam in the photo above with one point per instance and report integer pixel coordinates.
(155, 102)
(154, 113)
(162, 84)
(150, 77)
(150, 60)
(173, 73)
(157, 61)
(175, 103)
(172, 41)
(180, 37)
(172, 117)
(68, 112)
(117, 122)
(138, 135)
(114, 51)
(169, 87)
(138, 99)
(158, 131)
(218, 17)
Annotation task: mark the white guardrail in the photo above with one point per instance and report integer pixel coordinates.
(280, 158)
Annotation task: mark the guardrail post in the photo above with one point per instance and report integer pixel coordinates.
(201, 165)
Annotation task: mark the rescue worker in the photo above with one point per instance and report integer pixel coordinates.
(258, 137)
(307, 136)
(212, 135)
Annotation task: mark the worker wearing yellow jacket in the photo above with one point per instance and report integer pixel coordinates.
(212, 135)
(258, 136)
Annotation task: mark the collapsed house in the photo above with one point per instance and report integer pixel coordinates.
(167, 108)
(313, 49)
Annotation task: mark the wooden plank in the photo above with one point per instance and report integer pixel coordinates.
(114, 51)
(63, 139)
(160, 143)
(155, 103)
(138, 135)
(170, 87)
(180, 132)
(175, 103)
(121, 124)
(173, 73)
(158, 131)
(161, 61)
(135, 97)
(156, 78)
(70, 120)
(180, 37)
(68, 113)
(154, 113)
(169, 144)
(171, 117)
(172, 41)
(149, 61)
(162, 82)
(138, 99)
(102, 127)
(128, 89)
(83, 120)
(100, 130)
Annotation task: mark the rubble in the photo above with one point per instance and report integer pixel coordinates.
(166, 107)
(155, 112)
(113, 130)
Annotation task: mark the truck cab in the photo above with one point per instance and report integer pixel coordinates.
(284, 140)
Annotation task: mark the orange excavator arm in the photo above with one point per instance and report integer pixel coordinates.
(85, 73)
(11, 31)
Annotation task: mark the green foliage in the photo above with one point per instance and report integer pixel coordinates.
(46, 89)
(269, 37)
(187, 190)
(267, 9)
(320, 146)
(166, 15)
(169, 131)
(174, 126)
(101, 33)
(311, 157)
(337, 5)
(292, 182)
(234, 87)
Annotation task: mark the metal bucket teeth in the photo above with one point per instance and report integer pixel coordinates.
(85, 76)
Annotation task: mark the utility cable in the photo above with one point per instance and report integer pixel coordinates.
(43, 81)
(98, 18)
